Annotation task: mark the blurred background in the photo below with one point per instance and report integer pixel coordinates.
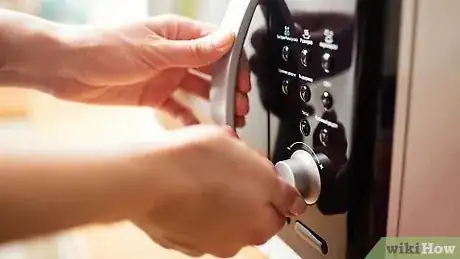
(21, 111)
(28, 117)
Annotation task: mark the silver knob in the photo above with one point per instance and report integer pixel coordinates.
(302, 172)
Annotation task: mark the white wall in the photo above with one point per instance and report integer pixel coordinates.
(156, 7)
(212, 10)
(111, 12)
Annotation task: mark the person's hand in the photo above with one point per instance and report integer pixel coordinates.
(214, 194)
(142, 64)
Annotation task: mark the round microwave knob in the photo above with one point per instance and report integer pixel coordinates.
(302, 172)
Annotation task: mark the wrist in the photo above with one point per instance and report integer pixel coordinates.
(64, 189)
(157, 175)
(123, 185)
(30, 50)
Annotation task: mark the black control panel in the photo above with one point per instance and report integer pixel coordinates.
(318, 71)
(312, 51)
(305, 64)
(301, 55)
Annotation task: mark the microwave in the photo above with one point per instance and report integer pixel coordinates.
(332, 95)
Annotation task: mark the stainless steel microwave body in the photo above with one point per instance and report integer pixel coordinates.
(325, 77)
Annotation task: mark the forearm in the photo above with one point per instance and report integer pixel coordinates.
(27, 45)
(43, 192)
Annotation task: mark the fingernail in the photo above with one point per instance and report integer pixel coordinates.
(231, 131)
(298, 207)
(223, 40)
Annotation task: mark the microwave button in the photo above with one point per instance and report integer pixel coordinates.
(324, 137)
(305, 93)
(305, 127)
(327, 101)
(326, 62)
(304, 57)
(285, 86)
(285, 53)
(307, 109)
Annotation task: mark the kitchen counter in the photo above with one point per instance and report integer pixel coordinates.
(118, 241)
(125, 241)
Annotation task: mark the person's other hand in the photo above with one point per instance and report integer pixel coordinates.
(142, 64)
(215, 195)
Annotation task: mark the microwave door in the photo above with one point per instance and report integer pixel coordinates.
(303, 59)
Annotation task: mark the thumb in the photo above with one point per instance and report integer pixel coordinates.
(197, 52)
(287, 200)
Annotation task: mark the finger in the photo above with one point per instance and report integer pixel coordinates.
(179, 111)
(240, 121)
(189, 252)
(165, 243)
(242, 104)
(207, 69)
(231, 131)
(287, 200)
(244, 73)
(271, 223)
(189, 53)
(196, 84)
(176, 27)
(183, 247)
(225, 251)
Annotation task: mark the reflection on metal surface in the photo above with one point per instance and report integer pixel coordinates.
(318, 51)
(311, 237)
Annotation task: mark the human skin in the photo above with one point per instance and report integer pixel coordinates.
(198, 190)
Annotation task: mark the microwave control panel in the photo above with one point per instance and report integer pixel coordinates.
(305, 67)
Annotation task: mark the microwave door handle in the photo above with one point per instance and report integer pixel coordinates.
(237, 19)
